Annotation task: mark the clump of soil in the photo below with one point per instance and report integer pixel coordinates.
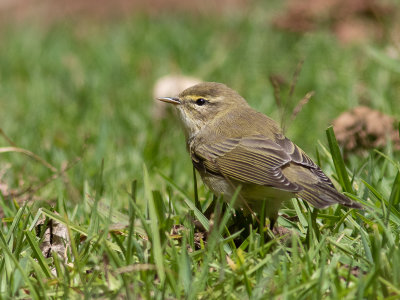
(350, 20)
(363, 128)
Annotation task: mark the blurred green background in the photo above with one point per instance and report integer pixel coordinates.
(77, 78)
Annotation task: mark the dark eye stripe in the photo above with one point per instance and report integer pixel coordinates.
(201, 101)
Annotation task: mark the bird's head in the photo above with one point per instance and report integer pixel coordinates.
(202, 103)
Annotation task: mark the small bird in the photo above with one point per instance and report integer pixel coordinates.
(232, 144)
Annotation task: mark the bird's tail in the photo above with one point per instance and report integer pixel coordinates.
(322, 195)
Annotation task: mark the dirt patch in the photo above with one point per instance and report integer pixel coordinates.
(350, 20)
(50, 10)
(363, 128)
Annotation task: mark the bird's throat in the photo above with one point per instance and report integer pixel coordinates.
(191, 126)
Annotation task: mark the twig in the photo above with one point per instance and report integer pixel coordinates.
(33, 190)
(7, 138)
(300, 105)
(295, 77)
(277, 91)
(277, 96)
(298, 108)
(30, 154)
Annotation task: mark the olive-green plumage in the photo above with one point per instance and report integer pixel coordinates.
(231, 144)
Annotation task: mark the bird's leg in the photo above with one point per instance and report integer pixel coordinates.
(239, 222)
(273, 217)
(272, 222)
(243, 222)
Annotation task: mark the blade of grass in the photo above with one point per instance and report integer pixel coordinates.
(394, 198)
(74, 227)
(394, 212)
(392, 286)
(24, 275)
(348, 251)
(338, 161)
(38, 253)
(29, 154)
(15, 222)
(111, 254)
(155, 234)
(199, 215)
(132, 217)
(185, 274)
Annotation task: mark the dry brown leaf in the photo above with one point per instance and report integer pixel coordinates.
(55, 238)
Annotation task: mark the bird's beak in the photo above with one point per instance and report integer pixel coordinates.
(172, 100)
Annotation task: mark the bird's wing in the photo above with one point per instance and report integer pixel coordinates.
(298, 156)
(321, 193)
(253, 159)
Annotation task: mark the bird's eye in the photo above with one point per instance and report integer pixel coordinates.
(201, 101)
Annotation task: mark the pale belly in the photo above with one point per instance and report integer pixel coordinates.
(251, 196)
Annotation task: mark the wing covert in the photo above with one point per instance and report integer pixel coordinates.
(253, 159)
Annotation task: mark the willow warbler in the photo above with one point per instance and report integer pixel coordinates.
(231, 144)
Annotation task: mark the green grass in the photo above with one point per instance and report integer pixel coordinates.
(84, 90)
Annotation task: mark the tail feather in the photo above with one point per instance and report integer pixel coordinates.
(322, 195)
